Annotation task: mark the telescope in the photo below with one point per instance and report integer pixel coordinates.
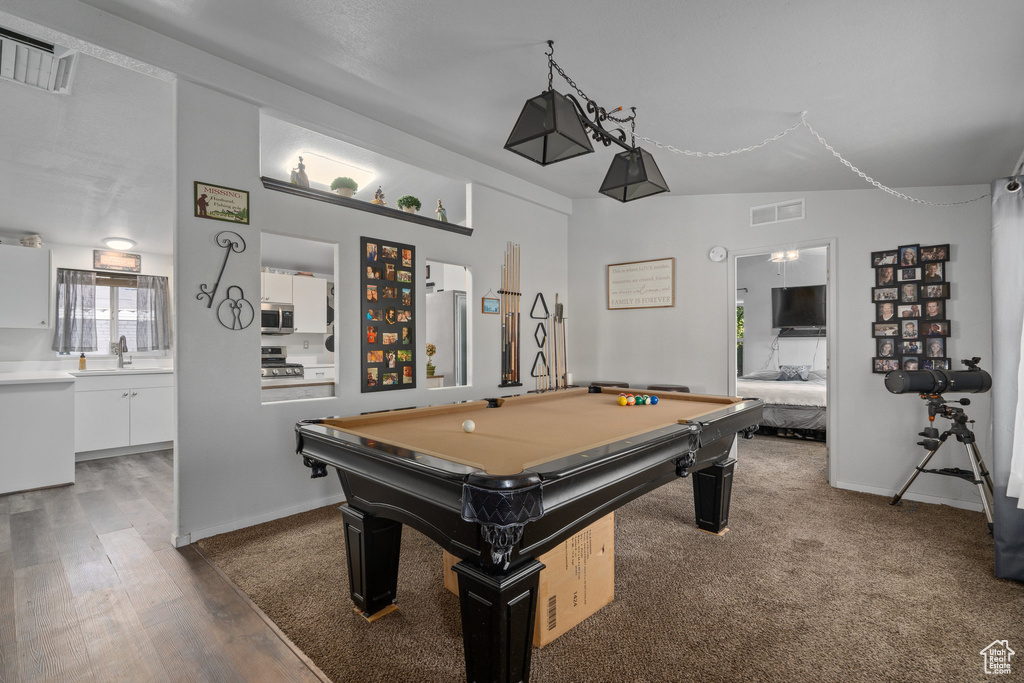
(930, 384)
(973, 380)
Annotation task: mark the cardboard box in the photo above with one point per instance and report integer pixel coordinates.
(578, 579)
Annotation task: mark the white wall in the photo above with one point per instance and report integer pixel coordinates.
(236, 463)
(758, 275)
(33, 346)
(691, 342)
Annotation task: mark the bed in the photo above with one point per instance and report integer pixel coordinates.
(793, 408)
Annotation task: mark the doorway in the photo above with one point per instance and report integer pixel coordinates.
(784, 316)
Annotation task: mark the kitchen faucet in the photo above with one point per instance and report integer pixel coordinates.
(122, 346)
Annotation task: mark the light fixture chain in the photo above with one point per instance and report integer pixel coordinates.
(877, 184)
(761, 144)
(568, 80)
(836, 154)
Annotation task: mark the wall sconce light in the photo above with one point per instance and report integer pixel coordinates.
(553, 127)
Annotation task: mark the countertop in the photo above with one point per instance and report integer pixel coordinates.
(44, 376)
(34, 377)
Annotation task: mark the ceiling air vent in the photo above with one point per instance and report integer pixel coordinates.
(792, 210)
(33, 62)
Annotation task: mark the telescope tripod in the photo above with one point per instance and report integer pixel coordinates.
(978, 474)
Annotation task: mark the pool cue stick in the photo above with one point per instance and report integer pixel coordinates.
(503, 322)
(565, 359)
(555, 332)
(517, 299)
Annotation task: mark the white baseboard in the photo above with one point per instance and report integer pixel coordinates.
(909, 495)
(124, 450)
(191, 537)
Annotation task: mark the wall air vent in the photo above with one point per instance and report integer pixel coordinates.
(33, 62)
(792, 210)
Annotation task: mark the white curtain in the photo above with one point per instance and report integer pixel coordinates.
(1008, 374)
(75, 330)
(153, 325)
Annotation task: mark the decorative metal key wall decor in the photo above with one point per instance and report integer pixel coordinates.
(236, 245)
(235, 312)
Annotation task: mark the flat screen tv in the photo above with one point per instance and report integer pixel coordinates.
(798, 306)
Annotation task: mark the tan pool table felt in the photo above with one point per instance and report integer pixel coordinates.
(526, 431)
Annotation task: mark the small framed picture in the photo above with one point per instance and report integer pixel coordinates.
(885, 329)
(935, 309)
(885, 276)
(910, 348)
(886, 347)
(909, 256)
(884, 364)
(935, 272)
(939, 252)
(935, 347)
(908, 274)
(489, 305)
(911, 363)
(884, 258)
(885, 294)
(908, 292)
(909, 311)
(371, 251)
(935, 328)
(390, 252)
(885, 312)
(936, 364)
(935, 291)
(428, 271)
(909, 329)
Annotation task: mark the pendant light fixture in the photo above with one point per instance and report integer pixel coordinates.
(553, 127)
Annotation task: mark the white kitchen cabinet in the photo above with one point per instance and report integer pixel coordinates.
(152, 412)
(114, 411)
(101, 419)
(309, 296)
(24, 287)
(276, 287)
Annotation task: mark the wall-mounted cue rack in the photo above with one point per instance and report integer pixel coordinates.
(509, 309)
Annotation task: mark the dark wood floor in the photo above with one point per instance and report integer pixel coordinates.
(92, 589)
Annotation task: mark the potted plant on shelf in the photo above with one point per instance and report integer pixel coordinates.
(431, 350)
(409, 203)
(344, 186)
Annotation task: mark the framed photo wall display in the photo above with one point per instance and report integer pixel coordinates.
(387, 315)
(910, 292)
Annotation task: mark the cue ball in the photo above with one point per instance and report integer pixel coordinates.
(468, 426)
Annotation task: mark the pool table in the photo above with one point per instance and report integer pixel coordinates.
(535, 470)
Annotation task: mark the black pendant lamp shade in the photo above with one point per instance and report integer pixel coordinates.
(633, 175)
(549, 130)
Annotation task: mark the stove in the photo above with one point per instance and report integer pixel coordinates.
(274, 364)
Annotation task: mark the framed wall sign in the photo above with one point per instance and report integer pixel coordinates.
(489, 305)
(221, 203)
(116, 260)
(387, 290)
(642, 284)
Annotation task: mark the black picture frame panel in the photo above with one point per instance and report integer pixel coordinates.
(902, 258)
(382, 334)
(934, 290)
(888, 257)
(934, 253)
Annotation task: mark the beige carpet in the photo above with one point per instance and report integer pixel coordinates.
(810, 584)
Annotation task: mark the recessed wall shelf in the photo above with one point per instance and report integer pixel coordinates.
(331, 198)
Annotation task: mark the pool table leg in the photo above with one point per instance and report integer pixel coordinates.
(497, 621)
(712, 489)
(372, 545)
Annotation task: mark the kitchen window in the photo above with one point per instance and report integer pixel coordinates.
(94, 310)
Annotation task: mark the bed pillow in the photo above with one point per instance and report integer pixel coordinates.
(793, 373)
(762, 375)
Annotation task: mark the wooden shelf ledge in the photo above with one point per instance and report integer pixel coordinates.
(360, 205)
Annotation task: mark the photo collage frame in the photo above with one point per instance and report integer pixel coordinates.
(388, 326)
(910, 294)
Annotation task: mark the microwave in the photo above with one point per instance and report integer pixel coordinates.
(277, 318)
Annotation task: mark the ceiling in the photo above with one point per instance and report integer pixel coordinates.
(917, 93)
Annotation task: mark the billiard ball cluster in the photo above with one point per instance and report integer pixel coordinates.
(637, 400)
